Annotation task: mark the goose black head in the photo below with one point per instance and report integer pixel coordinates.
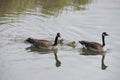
(58, 35)
(104, 34)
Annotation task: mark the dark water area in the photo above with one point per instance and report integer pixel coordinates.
(75, 20)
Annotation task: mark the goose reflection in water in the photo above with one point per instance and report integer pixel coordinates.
(58, 63)
(88, 53)
(42, 51)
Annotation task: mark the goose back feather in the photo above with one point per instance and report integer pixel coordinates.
(94, 46)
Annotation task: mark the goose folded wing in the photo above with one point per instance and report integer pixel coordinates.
(93, 45)
(44, 43)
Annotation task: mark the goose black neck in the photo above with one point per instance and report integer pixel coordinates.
(55, 42)
(103, 40)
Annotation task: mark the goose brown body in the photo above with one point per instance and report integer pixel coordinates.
(94, 46)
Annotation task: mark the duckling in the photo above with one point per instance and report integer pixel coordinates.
(60, 40)
(94, 46)
(72, 44)
(44, 44)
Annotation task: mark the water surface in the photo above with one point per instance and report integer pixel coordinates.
(75, 20)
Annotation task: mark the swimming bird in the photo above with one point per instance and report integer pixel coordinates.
(60, 40)
(72, 44)
(44, 44)
(94, 46)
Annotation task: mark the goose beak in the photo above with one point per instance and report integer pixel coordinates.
(107, 34)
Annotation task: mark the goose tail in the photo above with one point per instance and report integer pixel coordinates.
(30, 40)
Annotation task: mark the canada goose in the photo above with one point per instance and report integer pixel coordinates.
(72, 44)
(94, 46)
(44, 44)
